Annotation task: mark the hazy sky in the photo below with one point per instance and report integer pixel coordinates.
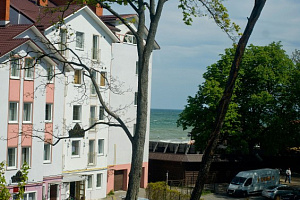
(186, 51)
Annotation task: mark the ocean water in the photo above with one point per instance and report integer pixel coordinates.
(163, 125)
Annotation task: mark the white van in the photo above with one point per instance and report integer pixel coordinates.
(253, 181)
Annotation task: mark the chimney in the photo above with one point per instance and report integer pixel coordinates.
(99, 10)
(42, 3)
(4, 12)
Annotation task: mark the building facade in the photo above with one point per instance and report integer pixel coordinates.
(97, 160)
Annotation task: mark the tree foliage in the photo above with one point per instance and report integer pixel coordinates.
(265, 104)
(4, 191)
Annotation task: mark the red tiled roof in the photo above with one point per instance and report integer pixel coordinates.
(28, 8)
(110, 18)
(47, 16)
(7, 37)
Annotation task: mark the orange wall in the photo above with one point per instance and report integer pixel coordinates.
(126, 168)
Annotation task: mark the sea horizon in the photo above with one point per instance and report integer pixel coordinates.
(163, 125)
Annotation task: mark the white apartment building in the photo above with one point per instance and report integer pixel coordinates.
(97, 161)
(31, 115)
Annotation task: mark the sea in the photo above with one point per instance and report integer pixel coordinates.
(163, 125)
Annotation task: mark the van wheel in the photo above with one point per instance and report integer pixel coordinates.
(246, 194)
(277, 197)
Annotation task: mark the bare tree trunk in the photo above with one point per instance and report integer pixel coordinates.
(224, 102)
(144, 53)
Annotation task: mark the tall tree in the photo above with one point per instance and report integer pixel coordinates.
(225, 100)
(264, 100)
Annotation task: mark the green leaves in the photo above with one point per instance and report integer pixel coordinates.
(264, 104)
(4, 191)
(211, 8)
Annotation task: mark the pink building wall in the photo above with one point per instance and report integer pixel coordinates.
(126, 169)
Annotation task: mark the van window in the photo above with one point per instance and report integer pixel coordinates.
(248, 182)
(238, 180)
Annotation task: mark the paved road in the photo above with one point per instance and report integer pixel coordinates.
(225, 196)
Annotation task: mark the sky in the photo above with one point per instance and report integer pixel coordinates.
(186, 51)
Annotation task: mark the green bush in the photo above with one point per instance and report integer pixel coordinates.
(161, 191)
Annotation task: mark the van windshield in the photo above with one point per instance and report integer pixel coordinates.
(238, 180)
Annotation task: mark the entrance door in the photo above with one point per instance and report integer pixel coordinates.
(53, 192)
(119, 179)
(77, 190)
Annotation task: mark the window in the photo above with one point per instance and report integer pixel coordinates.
(130, 39)
(47, 153)
(135, 98)
(48, 112)
(99, 180)
(93, 115)
(50, 73)
(102, 78)
(101, 113)
(79, 40)
(77, 77)
(13, 112)
(91, 155)
(27, 107)
(15, 68)
(95, 50)
(26, 155)
(248, 182)
(29, 68)
(26, 196)
(75, 148)
(90, 181)
(12, 157)
(101, 146)
(76, 112)
(63, 41)
(94, 75)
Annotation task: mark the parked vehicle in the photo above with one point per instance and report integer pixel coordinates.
(280, 192)
(253, 181)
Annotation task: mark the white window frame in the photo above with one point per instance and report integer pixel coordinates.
(129, 39)
(26, 112)
(93, 113)
(48, 148)
(27, 157)
(29, 69)
(79, 35)
(25, 196)
(89, 181)
(63, 38)
(101, 113)
(99, 182)
(14, 158)
(93, 89)
(15, 67)
(79, 78)
(91, 152)
(78, 148)
(103, 77)
(48, 112)
(78, 109)
(95, 48)
(15, 112)
(101, 144)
